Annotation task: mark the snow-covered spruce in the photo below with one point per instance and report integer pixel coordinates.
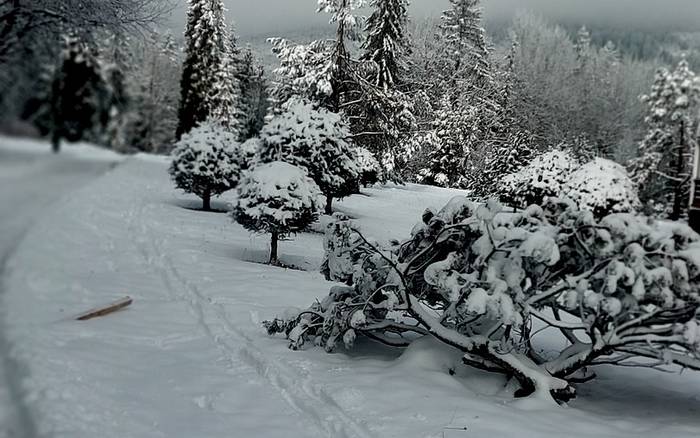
(315, 139)
(603, 187)
(664, 165)
(617, 289)
(465, 37)
(208, 88)
(386, 44)
(276, 198)
(205, 162)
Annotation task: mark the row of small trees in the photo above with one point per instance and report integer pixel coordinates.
(209, 161)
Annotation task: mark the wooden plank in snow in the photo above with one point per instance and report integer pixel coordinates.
(105, 310)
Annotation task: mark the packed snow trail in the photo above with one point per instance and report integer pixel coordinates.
(298, 391)
(32, 179)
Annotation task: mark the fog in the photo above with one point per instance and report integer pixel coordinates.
(254, 17)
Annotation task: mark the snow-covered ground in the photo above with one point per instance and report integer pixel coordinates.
(189, 358)
(31, 180)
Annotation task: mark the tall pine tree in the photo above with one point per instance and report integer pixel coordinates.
(462, 32)
(386, 44)
(664, 166)
(207, 86)
(250, 75)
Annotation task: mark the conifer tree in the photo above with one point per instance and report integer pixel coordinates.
(462, 32)
(386, 44)
(663, 168)
(207, 83)
(313, 138)
(250, 76)
(276, 198)
(117, 62)
(206, 162)
(154, 96)
(342, 16)
(510, 146)
(76, 91)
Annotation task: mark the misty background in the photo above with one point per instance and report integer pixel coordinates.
(261, 17)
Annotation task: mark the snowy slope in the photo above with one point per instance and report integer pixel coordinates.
(189, 358)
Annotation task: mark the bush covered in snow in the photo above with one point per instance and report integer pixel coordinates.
(370, 169)
(315, 139)
(617, 289)
(603, 187)
(276, 198)
(205, 162)
(544, 177)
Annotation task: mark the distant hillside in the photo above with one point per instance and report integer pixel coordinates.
(662, 46)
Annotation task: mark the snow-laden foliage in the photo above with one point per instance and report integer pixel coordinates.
(207, 87)
(253, 86)
(206, 162)
(603, 187)
(248, 153)
(342, 11)
(386, 44)
(276, 198)
(474, 277)
(461, 129)
(75, 108)
(664, 166)
(316, 140)
(370, 169)
(155, 95)
(466, 39)
(305, 70)
(544, 177)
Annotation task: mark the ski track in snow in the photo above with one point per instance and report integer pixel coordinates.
(302, 395)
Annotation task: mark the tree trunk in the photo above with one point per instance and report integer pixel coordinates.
(55, 142)
(329, 205)
(206, 200)
(678, 193)
(273, 248)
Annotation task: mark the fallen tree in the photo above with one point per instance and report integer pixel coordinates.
(621, 290)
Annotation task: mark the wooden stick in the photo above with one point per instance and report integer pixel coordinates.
(106, 310)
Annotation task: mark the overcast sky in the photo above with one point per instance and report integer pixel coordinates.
(254, 17)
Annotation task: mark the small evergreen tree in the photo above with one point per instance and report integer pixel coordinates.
(663, 168)
(315, 139)
(205, 162)
(76, 92)
(276, 198)
(207, 83)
